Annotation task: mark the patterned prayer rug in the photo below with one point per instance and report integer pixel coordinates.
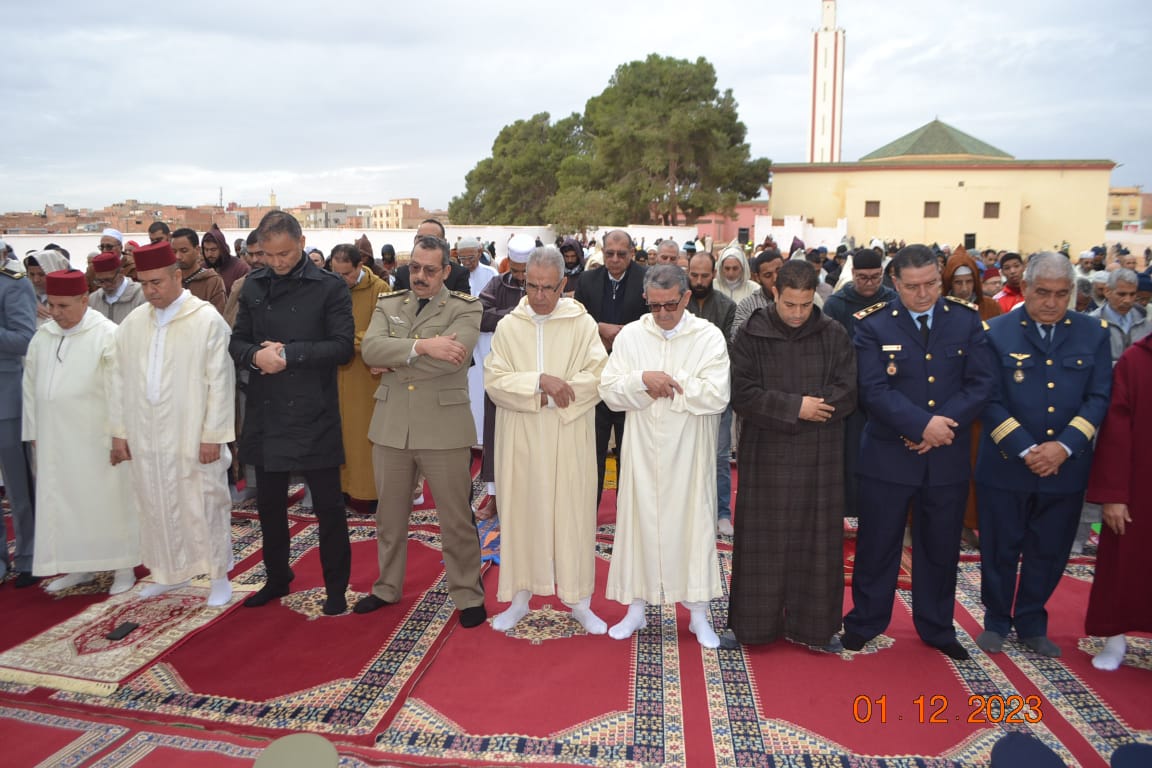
(1099, 706)
(347, 690)
(52, 740)
(75, 655)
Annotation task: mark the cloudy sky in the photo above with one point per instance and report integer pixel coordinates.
(365, 101)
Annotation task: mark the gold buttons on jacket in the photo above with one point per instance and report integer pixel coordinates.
(931, 379)
(1050, 432)
(928, 356)
(1048, 362)
(931, 403)
(1051, 385)
(1051, 409)
(411, 387)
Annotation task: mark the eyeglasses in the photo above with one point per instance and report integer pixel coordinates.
(430, 270)
(859, 278)
(616, 254)
(109, 246)
(104, 280)
(668, 306)
(534, 288)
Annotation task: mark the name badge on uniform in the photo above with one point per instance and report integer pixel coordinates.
(1018, 376)
(891, 348)
(891, 369)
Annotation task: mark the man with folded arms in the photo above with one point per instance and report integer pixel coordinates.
(422, 340)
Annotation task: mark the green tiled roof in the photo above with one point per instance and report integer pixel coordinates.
(936, 138)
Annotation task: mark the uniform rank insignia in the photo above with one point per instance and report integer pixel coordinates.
(869, 310)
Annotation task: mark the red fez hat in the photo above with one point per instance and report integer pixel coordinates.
(991, 272)
(155, 256)
(106, 262)
(66, 282)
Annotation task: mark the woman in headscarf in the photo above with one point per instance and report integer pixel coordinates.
(37, 265)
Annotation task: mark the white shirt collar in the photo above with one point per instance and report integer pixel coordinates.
(166, 315)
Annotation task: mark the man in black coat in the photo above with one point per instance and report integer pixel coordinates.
(456, 281)
(294, 327)
(614, 296)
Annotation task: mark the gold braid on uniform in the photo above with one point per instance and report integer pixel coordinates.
(1007, 427)
(1084, 426)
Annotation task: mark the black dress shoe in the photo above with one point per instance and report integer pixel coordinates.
(25, 579)
(728, 641)
(852, 641)
(334, 606)
(473, 617)
(954, 650)
(267, 594)
(369, 603)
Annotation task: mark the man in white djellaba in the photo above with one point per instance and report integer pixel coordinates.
(175, 417)
(542, 374)
(669, 370)
(85, 515)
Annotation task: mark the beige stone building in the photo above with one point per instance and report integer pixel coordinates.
(940, 185)
(1125, 205)
(401, 213)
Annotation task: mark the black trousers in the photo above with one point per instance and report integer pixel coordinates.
(328, 505)
(937, 519)
(606, 421)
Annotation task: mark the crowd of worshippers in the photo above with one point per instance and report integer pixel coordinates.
(957, 399)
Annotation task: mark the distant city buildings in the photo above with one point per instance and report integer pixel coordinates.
(135, 216)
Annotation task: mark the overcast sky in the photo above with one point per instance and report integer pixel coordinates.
(361, 102)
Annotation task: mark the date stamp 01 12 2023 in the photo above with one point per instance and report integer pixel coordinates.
(936, 710)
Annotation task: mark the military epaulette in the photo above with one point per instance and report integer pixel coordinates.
(391, 294)
(1103, 323)
(963, 303)
(869, 310)
(8, 272)
(465, 296)
(985, 324)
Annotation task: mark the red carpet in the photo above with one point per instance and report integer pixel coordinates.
(406, 686)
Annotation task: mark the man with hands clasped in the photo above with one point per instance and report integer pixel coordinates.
(924, 374)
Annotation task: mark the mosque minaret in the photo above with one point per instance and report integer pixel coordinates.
(827, 117)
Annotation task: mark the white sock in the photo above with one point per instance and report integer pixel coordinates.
(516, 611)
(593, 624)
(155, 590)
(221, 592)
(123, 580)
(700, 625)
(632, 622)
(68, 580)
(1112, 655)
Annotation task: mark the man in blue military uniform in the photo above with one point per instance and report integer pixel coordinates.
(1054, 374)
(925, 373)
(17, 325)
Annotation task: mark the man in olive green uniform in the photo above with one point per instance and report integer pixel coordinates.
(421, 340)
